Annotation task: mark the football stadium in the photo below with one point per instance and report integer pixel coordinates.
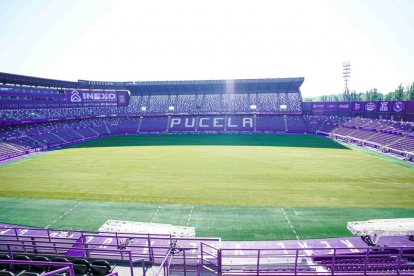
(231, 176)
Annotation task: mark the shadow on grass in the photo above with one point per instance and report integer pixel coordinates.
(275, 140)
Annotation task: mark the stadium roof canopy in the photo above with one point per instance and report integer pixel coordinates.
(282, 85)
(34, 81)
(285, 85)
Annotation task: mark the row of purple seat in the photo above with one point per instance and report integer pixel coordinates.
(23, 139)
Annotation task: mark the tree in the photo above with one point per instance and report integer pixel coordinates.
(399, 93)
(335, 98)
(324, 98)
(409, 94)
(373, 95)
(389, 96)
(354, 96)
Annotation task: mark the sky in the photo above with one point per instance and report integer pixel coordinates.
(135, 40)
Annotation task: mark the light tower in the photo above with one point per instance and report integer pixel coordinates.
(346, 73)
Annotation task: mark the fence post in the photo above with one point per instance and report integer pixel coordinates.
(399, 260)
(185, 263)
(198, 268)
(296, 261)
(48, 235)
(71, 270)
(131, 264)
(202, 257)
(219, 261)
(366, 262)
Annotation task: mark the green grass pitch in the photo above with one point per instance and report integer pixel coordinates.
(239, 187)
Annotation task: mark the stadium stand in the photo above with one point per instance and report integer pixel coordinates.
(37, 114)
(40, 251)
(41, 114)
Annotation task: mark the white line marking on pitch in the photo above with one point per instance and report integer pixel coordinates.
(189, 217)
(60, 217)
(156, 213)
(290, 224)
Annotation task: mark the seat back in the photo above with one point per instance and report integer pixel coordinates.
(40, 268)
(99, 270)
(81, 266)
(4, 257)
(21, 266)
(28, 273)
(101, 263)
(59, 260)
(6, 273)
(80, 269)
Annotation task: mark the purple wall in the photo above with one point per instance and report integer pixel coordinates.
(153, 124)
(270, 123)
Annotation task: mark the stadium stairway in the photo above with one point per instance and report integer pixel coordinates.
(80, 134)
(57, 136)
(106, 127)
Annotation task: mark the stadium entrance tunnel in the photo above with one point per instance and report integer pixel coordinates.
(269, 140)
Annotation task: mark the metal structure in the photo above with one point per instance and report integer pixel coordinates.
(164, 255)
(346, 74)
(376, 228)
(134, 227)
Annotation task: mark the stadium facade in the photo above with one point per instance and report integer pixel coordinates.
(42, 114)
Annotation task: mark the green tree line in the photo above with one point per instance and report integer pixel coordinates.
(400, 94)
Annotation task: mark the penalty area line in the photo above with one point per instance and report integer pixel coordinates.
(290, 224)
(61, 216)
(156, 213)
(189, 216)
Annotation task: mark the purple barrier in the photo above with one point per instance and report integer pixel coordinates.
(137, 249)
(153, 125)
(396, 107)
(186, 253)
(307, 261)
(270, 123)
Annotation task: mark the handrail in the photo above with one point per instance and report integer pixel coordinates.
(208, 245)
(104, 252)
(216, 264)
(109, 234)
(163, 261)
(365, 257)
(19, 243)
(320, 248)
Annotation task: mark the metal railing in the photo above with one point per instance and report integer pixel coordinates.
(66, 267)
(310, 261)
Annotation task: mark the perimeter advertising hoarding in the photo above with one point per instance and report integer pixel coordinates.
(409, 107)
(382, 106)
(120, 98)
(345, 106)
(331, 106)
